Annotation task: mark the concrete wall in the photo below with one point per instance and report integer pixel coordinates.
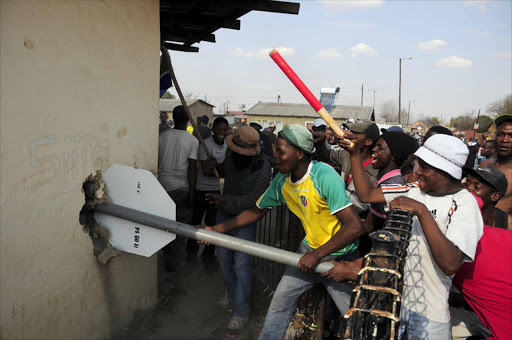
(79, 84)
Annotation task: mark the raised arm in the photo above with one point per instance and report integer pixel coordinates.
(365, 189)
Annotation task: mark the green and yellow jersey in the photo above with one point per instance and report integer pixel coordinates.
(314, 199)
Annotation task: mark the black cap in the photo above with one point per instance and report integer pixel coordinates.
(492, 176)
(503, 119)
(369, 128)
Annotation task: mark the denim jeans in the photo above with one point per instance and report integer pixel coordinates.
(419, 327)
(292, 285)
(466, 323)
(236, 270)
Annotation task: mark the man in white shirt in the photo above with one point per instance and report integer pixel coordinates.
(208, 182)
(177, 169)
(445, 231)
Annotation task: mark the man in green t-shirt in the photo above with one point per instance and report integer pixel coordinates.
(316, 194)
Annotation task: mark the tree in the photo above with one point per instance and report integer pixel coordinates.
(501, 106)
(168, 95)
(463, 122)
(435, 121)
(190, 95)
(389, 111)
(484, 122)
(403, 116)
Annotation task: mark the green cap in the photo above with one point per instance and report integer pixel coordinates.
(298, 136)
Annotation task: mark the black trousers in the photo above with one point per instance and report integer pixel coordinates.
(203, 209)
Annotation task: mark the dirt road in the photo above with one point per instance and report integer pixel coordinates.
(187, 303)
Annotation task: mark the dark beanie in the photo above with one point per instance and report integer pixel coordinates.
(401, 145)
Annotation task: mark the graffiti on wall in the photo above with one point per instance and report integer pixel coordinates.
(63, 171)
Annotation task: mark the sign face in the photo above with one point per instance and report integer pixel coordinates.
(136, 189)
(475, 127)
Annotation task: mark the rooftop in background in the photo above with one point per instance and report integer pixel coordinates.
(167, 105)
(186, 22)
(305, 110)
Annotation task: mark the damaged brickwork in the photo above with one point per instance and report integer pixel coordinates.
(94, 191)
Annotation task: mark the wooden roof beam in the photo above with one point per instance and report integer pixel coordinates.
(182, 48)
(185, 35)
(201, 21)
(276, 7)
(260, 5)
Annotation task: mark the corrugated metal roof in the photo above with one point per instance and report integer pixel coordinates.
(305, 110)
(168, 105)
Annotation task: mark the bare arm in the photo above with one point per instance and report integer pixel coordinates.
(208, 165)
(245, 218)
(344, 270)
(447, 255)
(192, 178)
(351, 229)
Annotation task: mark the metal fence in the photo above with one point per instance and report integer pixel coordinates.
(281, 229)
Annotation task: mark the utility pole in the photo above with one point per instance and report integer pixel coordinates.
(362, 94)
(400, 87)
(374, 90)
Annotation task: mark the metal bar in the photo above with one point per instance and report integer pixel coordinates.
(218, 239)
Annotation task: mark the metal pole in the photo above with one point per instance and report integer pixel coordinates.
(374, 90)
(399, 88)
(218, 239)
(362, 86)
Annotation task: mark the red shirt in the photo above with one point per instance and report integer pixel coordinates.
(365, 163)
(486, 283)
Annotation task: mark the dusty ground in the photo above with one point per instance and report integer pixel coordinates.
(187, 304)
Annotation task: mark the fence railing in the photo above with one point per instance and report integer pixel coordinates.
(280, 229)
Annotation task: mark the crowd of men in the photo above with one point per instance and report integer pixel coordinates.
(458, 272)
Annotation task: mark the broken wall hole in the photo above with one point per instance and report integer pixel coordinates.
(94, 191)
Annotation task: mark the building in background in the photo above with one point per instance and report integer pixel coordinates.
(197, 108)
(291, 113)
(419, 128)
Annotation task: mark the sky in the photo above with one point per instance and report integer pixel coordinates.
(461, 56)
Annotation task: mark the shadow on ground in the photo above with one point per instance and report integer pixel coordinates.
(187, 303)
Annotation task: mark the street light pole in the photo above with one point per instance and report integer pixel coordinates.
(400, 87)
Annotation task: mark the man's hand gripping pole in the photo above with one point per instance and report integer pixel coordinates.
(307, 94)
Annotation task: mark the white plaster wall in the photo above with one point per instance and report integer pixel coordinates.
(78, 92)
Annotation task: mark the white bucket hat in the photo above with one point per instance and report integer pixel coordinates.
(446, 153)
